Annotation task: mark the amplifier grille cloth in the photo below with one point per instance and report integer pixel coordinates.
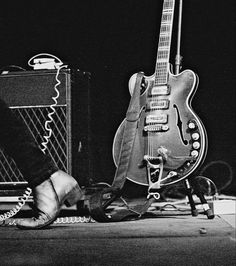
(35, 118)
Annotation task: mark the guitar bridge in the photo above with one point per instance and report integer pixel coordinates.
(156, 128)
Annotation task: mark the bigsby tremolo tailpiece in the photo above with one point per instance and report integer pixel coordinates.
(154, 173)
(155, 167)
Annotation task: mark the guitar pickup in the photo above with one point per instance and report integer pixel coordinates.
(160, 90)
(162, 104)
(159, 119)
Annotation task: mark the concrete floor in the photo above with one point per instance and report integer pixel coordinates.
(165, 240)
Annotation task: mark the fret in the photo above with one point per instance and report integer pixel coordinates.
(161, 71)
(164, 41)
(165, 28)
(168, 4)
(164, 45)
(164, 38)
(161, 65)
(161, 75)
(163, 60)
(166, 18)
(167, 11)
(163, 54)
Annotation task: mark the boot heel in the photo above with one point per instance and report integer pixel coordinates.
(73, 196)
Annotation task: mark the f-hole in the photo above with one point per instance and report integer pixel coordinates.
(179, 125)
(143, 86)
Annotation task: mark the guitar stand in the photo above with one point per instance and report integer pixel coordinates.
(189, 191)
(195, 187)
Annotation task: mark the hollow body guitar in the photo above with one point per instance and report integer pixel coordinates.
(171, 141)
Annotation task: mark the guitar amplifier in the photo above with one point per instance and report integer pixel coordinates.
(31, 95)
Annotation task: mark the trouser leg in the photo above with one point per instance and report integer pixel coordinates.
(18, 143)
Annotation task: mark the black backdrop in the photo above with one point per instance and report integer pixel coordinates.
(114, 39)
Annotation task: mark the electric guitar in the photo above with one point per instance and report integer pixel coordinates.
(171, 141)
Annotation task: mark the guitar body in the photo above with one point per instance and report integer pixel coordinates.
(168, 127)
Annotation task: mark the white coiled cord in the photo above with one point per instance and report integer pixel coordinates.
(18, 207)
(59, 65)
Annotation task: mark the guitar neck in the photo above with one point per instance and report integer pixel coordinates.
(163, 52)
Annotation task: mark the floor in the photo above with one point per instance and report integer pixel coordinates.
(163, 240)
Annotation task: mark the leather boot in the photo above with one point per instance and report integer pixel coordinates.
(49, 197)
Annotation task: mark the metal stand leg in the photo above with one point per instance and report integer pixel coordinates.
(190, 197)
(207, 210)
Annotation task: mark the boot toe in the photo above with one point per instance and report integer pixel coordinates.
(35, 223)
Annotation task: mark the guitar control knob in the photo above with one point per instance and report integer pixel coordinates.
(191, 125)
(194, 153)
(196, 145)
(195, 136)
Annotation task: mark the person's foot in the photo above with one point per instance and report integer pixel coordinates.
(49, 197)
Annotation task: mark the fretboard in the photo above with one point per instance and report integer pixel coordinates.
(163, 52)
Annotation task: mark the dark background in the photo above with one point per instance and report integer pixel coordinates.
(114, 39)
